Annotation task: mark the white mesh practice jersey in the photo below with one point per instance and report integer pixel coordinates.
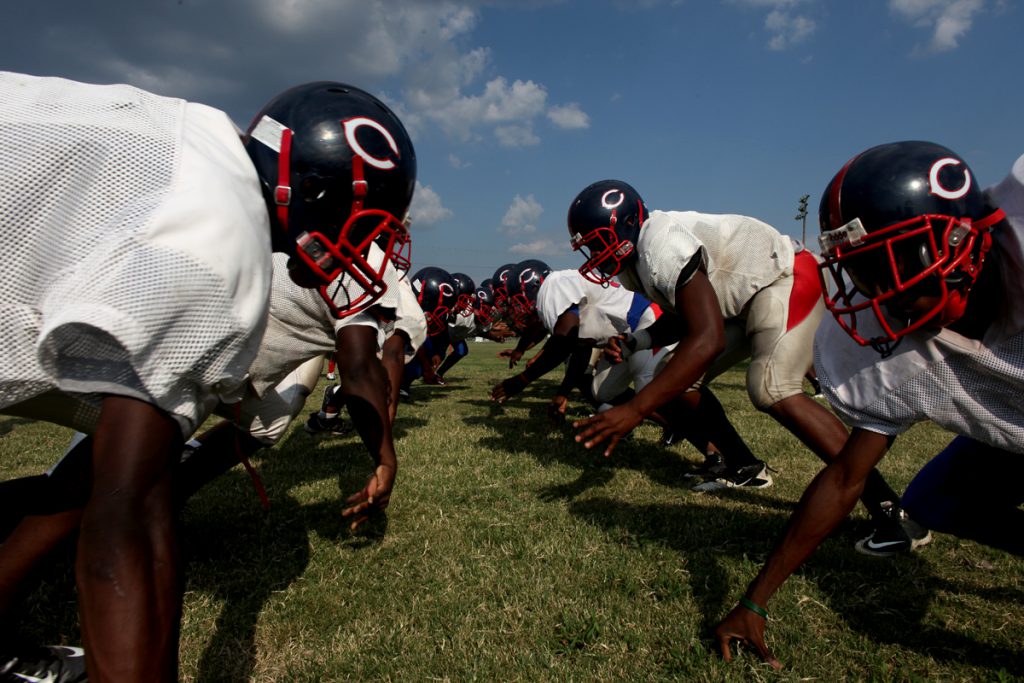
(968, 386)
(136, 248)
(409, 318)
(461, 327)
(742, 256)
(301, 326)
(604, 312)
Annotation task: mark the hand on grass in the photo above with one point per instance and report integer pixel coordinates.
(557, 408)
(610, 425)
(746, 627)
(508, 388)
(374, 497)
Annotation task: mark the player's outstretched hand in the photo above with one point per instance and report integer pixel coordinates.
(557, 408)
(374, 497)
(611, 425)
(508, 388)
(746, 627)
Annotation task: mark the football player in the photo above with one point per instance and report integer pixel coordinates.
(404, 331)
(461, 324)
(739, 289)
(435, 292)
(582, 315)
(486, 317)
(139, 294)
(579, 316)
(300, 329)
(927, 273)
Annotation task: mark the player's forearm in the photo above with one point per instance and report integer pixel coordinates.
(690, 361)
(829, 498)
(367, 401)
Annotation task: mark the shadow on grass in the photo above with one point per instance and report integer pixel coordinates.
(241, 555)
(548, 444)
(884, 600)
(8, 423)
(234, 554)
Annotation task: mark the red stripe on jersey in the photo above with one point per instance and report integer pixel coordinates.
(806, 290)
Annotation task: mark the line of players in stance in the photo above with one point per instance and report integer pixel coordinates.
(919, 268)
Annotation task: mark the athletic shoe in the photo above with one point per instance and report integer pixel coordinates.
(815, 387)
(329, 426)
(331, 377)
(713, 467)
(897, 535)
(753, 476)
(52, 664)
(668, 436)
(403, 393)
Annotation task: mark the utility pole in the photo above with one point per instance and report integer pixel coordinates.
(802, 216)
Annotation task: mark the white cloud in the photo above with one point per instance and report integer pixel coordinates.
(787, 29)
(419, 57)
(948, 20)
(516, 136)
(427, 208)
(569, 116)
(521, 216)
(509, 109)
(456, 162)
(542, 247)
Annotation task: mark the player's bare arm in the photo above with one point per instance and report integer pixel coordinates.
(127, 565)
(699, 315)
(827, 501)
(364, 384)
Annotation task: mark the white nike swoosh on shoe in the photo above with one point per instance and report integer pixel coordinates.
(884, 544)
(71, 650)
(50, 678)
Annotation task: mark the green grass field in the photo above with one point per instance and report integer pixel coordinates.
(511, 553)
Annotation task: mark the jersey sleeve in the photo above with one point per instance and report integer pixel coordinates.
(666, 247)
(560, 291)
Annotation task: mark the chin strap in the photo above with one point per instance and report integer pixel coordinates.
(283, 191)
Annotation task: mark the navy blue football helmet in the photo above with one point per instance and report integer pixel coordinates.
(338, 171)
(604, 223)
(904, 232)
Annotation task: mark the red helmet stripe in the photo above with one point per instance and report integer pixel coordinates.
(835, 216)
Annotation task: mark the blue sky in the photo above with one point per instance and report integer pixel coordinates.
(736, 106)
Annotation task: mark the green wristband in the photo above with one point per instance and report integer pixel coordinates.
(754, 607)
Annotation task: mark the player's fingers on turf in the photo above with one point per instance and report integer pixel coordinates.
(357, 497)
(725, 645)
(764, 653)
(591, 428)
